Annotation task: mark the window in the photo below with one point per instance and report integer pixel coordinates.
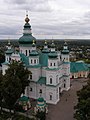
(50, 64)
(50, 80)
(30, 89)
(40, 91)
(34, 61)
(30, 76)
(26, 52)
(31, 60)
(50, 97)
(64, 85)
(54, 64)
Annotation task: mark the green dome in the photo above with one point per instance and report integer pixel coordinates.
(9, 51)
(65, 51)
(52, 55)
(24, 98)
(40, 99)
(26, 39)
(34, 53)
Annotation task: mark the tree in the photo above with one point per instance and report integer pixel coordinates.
(83, 106)
(14, 83)
(1, 96)
(41, 115)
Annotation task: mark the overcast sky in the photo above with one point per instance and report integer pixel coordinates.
(48, 18)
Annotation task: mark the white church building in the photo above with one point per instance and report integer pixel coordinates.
(50, 68)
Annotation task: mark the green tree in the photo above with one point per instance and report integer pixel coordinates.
(41, 115)
(1, 96)
(83, 106)
(14, 83)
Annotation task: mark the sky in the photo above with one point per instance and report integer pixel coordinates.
(63, 19)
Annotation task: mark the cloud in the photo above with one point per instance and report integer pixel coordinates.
(47, 17)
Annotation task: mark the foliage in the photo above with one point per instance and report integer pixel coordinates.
(1, 96)
(2, 56)
(41, 115)
(83, 106)
(14, 82)
(20, 117)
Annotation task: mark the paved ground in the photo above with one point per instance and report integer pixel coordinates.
(64, 109)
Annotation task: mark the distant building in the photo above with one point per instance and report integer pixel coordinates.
(79, 69)
(50, 68)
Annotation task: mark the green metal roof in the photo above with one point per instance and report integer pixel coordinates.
(24, 98)
(27, 26)
(45, 50)
(65, 51)
(52, 55)
(77, 67)
(34, 66)
(34, 53)
(9, 51)
(40, 99)
(26, 39)
(42, 80)
(52, 68)
(24, 59)
(43, 59)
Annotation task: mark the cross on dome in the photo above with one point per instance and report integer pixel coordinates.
(27, 19)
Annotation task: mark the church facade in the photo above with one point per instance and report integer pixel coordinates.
(50, 68)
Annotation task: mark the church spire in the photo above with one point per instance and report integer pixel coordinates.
(52, 47)
(45, 45)
(33, 45)
(27, 19)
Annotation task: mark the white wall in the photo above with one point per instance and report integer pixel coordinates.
(36, 73)
(53, 61)
(55, 96)
(23, 49)
(4, 68)
(34, 58)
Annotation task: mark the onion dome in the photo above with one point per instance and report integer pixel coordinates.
(53, 53)
(41, 102)
(34, 51)
(27, 37)
(45, 49)
(9, 50)
(65, 49)
(33, 45)
(52, 45)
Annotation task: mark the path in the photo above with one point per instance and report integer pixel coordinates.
(64, 109)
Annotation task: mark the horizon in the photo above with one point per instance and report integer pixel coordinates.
(57, 19)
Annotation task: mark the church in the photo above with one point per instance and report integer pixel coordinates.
(50, 68)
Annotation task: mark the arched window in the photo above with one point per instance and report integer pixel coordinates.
(64, 85)
(26, 52)
(34, 61)
(50, 64)
(50, 97)
(54, 64)
(31, 61)
(50, 80)
(30, 89)
(40, 91)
